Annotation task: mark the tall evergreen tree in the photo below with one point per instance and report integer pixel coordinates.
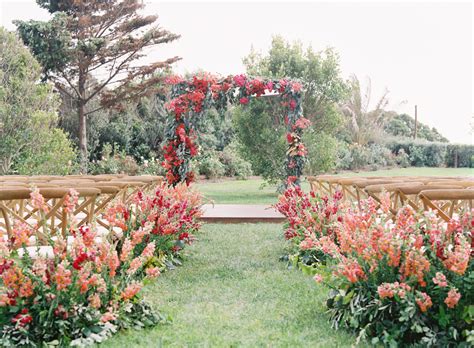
(91, 48)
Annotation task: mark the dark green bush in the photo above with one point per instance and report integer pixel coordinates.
(114, 161)
(373, 156)
(234, 164)
(322, 152)
(209, 165)
(460, 156)
(420, 153)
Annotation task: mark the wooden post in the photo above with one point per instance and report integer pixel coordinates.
(416, 121)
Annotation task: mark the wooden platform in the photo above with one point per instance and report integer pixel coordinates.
(241, 213)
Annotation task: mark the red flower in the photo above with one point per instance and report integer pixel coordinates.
(257, 87)
(183, 236)
(289, 138)
(22, 318)
(239, 80)
(181, 133)
(80, 259)
(269, 86)
(244, 100)
(292, 104)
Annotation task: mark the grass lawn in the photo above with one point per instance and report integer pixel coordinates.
(233, 292)
(251, 191)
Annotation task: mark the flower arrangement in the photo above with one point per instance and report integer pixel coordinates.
(86, 287)
(190, 98)
(168, 219)
(405, 280)
(310, 219)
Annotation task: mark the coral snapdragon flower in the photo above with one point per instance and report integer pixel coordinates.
(453, 298)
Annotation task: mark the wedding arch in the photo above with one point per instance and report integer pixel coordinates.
(190, 98)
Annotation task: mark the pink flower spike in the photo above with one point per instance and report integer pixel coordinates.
(318, 278)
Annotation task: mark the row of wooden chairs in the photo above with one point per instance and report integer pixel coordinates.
(95, 194)
(445, 195)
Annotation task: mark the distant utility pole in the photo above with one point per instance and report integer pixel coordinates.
(416, 121)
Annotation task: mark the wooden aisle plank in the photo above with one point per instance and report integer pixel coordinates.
(241, 213)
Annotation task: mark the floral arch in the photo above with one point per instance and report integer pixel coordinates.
(191, 97)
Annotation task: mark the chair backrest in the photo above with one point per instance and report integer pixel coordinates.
(461, 183)
(16, 205)
(416, 188)
(390, 187)
(447, 201)
(448, 194)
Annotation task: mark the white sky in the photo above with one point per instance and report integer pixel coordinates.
(422, 52)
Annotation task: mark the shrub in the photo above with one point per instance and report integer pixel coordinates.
(380, 155)
(151, 166)
(354, 157)
(407, 280)
(460, 156)
(421, 153)
(402, 159)
(263, 139)
(54, 156)
(234, 164)
(114, 162)
(210, 166)
(30, 143)
(322, 152)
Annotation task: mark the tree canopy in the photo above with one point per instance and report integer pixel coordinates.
(323, 86)
(27, 113)
(93, 48)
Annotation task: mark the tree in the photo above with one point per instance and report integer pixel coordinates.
(318, 71)
(28, 114)
(91, 48)
(403, 125)
(364, 125)
(323, 88)
(263, 143)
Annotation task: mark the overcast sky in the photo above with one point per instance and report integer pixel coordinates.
(421, 52)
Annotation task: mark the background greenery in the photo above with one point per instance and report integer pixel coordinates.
(30, 142)
(40, 128)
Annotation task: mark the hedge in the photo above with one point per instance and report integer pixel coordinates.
(434, 154)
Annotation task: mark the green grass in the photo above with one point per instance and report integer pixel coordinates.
(250, 191)
(233, 292)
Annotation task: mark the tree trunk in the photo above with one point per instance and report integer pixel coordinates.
(82, 137)
(82, 123)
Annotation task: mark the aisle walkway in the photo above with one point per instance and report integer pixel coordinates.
(233, 292)
(241, 213)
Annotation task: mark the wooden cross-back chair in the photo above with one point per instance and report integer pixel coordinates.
(108, 194)
(446, 202)
(355, 189)
(409, 194)
(325, 185)
(461, 183)
(16, 205)
(321, 184)
(149, 182)
(376, 191)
